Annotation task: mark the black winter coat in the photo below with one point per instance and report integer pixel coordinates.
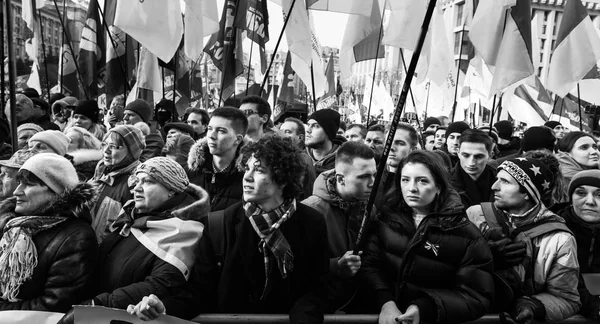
(444, 266)
(238, 286)
(474, 192)
(67, 255)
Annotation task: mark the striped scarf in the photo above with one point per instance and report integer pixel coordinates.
(18, 255)
(266, 225)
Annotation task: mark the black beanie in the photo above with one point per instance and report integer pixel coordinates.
(552, 124)
(505, 129)
(536, 138)
(431, 121)
(457, 127)
(329, 120)
(88, 108)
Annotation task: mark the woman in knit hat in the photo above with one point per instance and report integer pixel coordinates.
(25, 132)
(48, 249)
(577, 151)
(84, 151)
(49, 141)
(582, 216)
(121, 148)
(87, 115)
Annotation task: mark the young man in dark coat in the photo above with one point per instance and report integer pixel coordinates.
(274, 249)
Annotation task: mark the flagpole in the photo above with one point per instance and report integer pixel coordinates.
(43, 51)
(375, 65)
(12, 75)
(114, 44)
(579, 104)
(285, 22)
(492, 114)
(462, 37)
(62, 55)
(250, 59)
(174, 86)
(162, 70)
(553, 106)
(412, 97)
(2, 72)
(499, 109)
(206, 81)
(562, 105)
(66, 34)
(312, 83)
(426, 100)
(366, 220)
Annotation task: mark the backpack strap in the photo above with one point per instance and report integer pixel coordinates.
(490, 214)
(546, 227)
(216, 227)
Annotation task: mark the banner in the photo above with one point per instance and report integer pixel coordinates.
(256, 22)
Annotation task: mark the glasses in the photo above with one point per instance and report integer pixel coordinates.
(111, 146)
(249, 112)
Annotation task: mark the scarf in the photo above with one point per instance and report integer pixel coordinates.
(266, 225)
(18, 255)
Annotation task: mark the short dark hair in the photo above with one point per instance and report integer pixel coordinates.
(363, 129)
(566, 143)
(29, 178)
(199, 111)
(352, 150)
(282, 158)
(412, 133)
(477, 136)
(301, 130)
(237, 117)
(263, 106)
(343, 125)
(425, 135)
(376, 128)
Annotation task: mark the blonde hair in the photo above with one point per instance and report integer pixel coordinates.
(87, 140)
(96, 129)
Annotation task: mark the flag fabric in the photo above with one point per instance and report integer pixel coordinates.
(361, 39)
(157, 25)
(148, 72)
(91, 58)
(286, 93)
(304, 45)
(522, 105)
(568, 108)
(577, 49)
(225, 50)
(501, 34)
(67, 70)
(353, 7)
(329, 98)
(34, 78)
(437, 60)
(30, 17)
(406, 15)
(118, 70)
(256, 22)
(200, 20)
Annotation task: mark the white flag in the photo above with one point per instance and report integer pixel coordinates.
(201, 19)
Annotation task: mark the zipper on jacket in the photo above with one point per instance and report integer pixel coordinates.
(591, 256)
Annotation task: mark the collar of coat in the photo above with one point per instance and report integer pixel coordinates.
(200, 158)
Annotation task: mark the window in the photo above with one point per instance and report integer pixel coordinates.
(459, 14)
(545, 22)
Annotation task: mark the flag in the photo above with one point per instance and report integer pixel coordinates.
(34, 78)
(118, 70)
(157, 25)
(304, 45)
(200, 20)
(360, 40)
(329, 98)
(91, 58)
(406, 15)
(437, 60)
(256, 23)
(286, 93)
(30, 17)
(225, 50)
(67, 70)
(148, 72)
(522, 105)
(353, 7)
(577, 49)
(501, 34)
(568, 108)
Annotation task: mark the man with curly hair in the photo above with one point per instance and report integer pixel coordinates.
(341, 196)
(274, 257)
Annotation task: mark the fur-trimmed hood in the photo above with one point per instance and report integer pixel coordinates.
(72, 203)
(200, 154)
(84, 156)
(196, 210)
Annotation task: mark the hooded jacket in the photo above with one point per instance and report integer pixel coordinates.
(473, 192)
(443, 266)
(551, 272)
(568, 166)
(67, 255)
(227, 187)
(128, 270)
(328, 161)
(85, 162)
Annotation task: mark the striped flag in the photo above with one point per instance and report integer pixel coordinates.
(329, 98)
(91, 58)
(577, 49)
(256, 23)
(67, 71)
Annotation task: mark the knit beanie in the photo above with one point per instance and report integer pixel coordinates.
(55, 171)
(58, 141)
(566, 143)
(30, 126)
(552, 124)
(88, 108)
(505, 129)
(457, 127)
(493, 133)
(584, 178)
(167, 172)
(537, 137)
(142, 108)
(133, 138)
(431, 121)
(329, 120)
(531, 174)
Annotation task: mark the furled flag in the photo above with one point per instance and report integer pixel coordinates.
(361, 39)
(225, 50)
(501, 34)
(67, 69)
(256, 22)
(329, 98)
(157, 25)
(200, 20)
(353, 7)
(34, 78)
(577, 49)
(91, 59)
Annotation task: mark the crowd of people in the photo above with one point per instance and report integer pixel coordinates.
(137, 209)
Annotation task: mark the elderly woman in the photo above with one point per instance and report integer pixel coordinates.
(582, 216)
(426, 262)
(48, 249)
(87, 115)
(85, 150)
(62, 110)
(49, 141)
(122, 148)
(577, 151)
(25, 132)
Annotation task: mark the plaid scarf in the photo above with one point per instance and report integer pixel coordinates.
(266, 225)
(18, 255)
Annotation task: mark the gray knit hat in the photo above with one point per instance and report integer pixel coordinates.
(55, 171)
(167, 172)
(584, 178)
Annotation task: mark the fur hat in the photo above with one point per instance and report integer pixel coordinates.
(55, 171)
(58, 141)
(133, 138)
(167, 172)
(584, 178)
(89, 109)
(329, 120)
(531, 174)
(142, 108)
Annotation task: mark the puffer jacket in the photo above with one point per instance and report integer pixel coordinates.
(128, 271)
(113, 193)
(553, 271)
(443, 266)
(227, 187)
(85, 162)
(67, 255)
